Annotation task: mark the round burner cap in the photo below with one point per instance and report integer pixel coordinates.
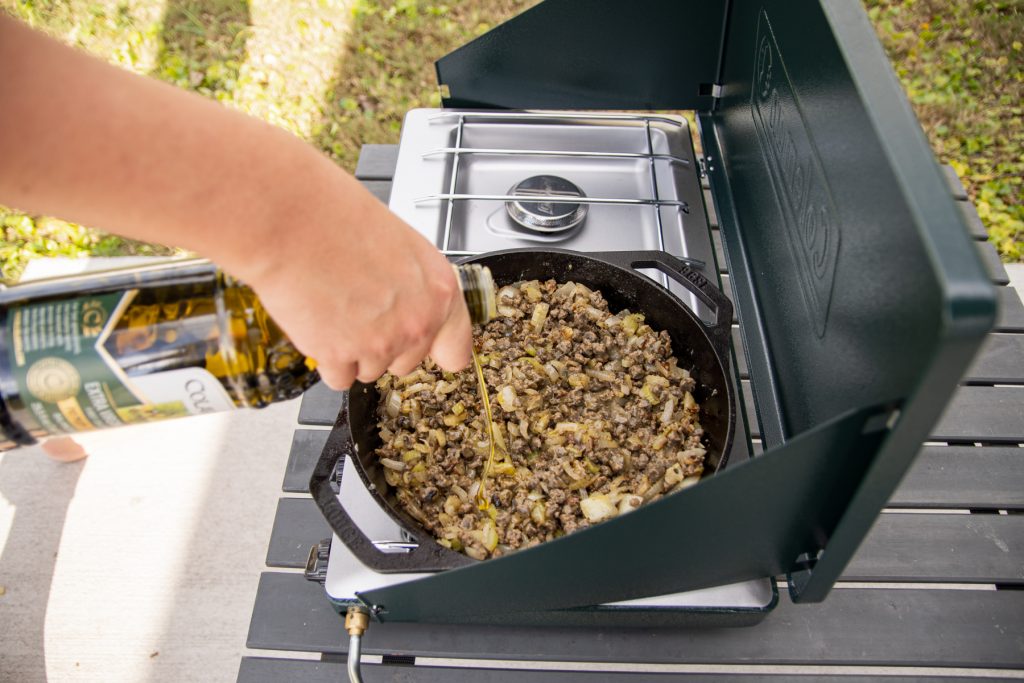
(546, 215)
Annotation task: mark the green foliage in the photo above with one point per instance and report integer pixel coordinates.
(961, 63)
(24, 237)
(962, 66)
(389, 66)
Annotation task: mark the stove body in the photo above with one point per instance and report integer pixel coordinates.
(454, 181)
(860, 296)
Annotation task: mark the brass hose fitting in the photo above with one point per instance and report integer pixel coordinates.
(357, 620)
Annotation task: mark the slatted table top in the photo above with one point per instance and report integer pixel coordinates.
(936, 591)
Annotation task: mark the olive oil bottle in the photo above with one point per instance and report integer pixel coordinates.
(127, 346)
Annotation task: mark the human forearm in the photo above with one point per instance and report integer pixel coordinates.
(352, 285)
(93, 143)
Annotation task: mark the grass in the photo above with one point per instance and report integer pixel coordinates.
(341, 73)
(962, 66)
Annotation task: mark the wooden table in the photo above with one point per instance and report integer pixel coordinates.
(936, 589)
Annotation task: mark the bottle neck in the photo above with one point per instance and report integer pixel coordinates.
(479, 291)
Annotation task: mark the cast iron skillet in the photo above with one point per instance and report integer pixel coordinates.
(701, 348)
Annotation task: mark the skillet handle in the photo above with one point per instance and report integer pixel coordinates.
(426, 556)
(720, 331)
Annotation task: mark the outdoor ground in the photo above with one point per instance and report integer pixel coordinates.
(341, 73)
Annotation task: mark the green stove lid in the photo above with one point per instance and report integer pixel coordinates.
(861, 296)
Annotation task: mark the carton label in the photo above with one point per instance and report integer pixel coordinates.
(70, 380)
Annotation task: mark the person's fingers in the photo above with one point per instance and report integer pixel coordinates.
(338, 376)
(453, 345)
(409, 359)
(369, 369)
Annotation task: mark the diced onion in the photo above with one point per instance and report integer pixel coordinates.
(507, 398)
(538, 513)
(674, 474)
(629, 503)
(670, 407)
(509, 312)
(489, 535)
(551, 372)
(598, 508)
(688, 482)
(565, 291)
(602, 375)
(540, 315)
(394, 403)
(688, 402)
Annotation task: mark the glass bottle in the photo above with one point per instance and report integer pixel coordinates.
(169, 340)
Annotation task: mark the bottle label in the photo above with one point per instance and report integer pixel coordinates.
(62, 357)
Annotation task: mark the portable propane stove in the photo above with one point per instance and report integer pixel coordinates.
(476, 181)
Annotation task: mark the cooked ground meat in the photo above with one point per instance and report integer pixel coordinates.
(592, 417)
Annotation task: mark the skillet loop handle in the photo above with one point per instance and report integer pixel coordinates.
(427, 556)
(720, 331)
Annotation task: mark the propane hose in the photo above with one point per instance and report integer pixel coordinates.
(357, 620)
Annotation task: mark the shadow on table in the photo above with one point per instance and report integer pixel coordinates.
(40, 491)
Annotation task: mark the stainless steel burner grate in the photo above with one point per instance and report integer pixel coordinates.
(459, 150)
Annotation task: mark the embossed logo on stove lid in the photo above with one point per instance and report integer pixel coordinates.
(795, 169)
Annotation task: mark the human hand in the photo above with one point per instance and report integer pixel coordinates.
(360, 291)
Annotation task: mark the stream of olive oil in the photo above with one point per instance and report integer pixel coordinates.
(481, 495)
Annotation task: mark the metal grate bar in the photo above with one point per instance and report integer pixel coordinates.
(447, 237)
(450, 197)
(559, 116)
(557, 153)
(654, 186)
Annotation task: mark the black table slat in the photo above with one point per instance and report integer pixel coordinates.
(267, 670)
(993, 264)
(747, 395)
(974, 224)
(854, 626)
(306, 447)
(320, 405)
(298, 524)
(741, 357)
(727, 290)
(1011, 310)
(709, 204)
(986, 414)
(964, 477)
(974, 414)
(377, 162)
(381, 189)
(716, 241)
(1000, 361)
(951, 548)
(955, 186)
